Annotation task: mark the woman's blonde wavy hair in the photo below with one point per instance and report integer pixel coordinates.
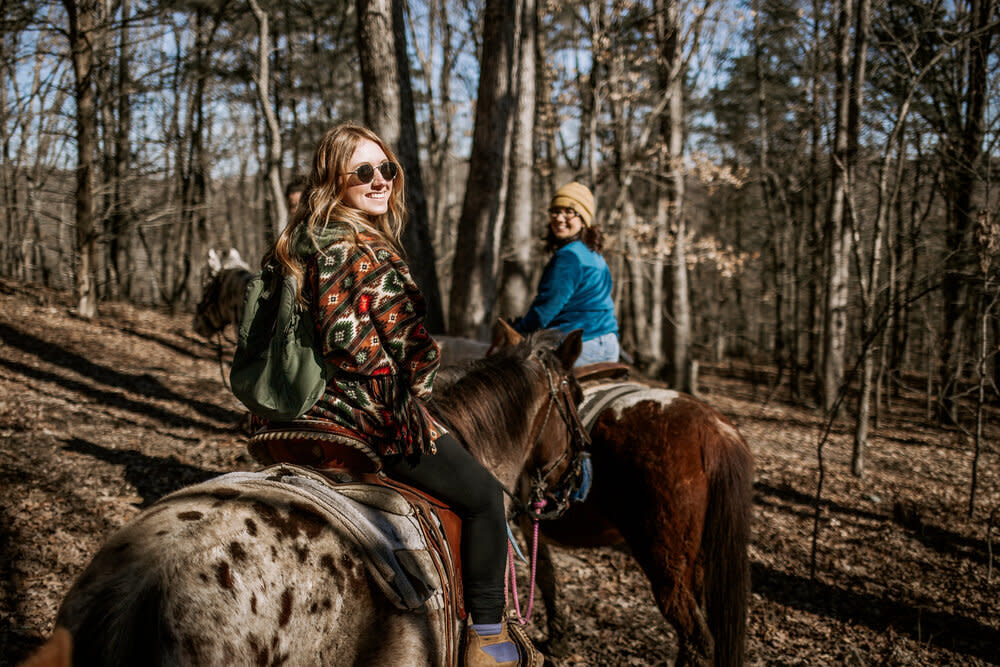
(323, 204)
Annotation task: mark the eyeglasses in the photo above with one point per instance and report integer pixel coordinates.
(562, 212)
(366, 172)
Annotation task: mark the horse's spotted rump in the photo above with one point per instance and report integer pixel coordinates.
(347, 574)
(237, 551)
(307, 519)
(259, 651)
(190, 515)
(286, 608)
(301, 519)
(224, 575)
(326, 560)
(224, 496)
(153, 512)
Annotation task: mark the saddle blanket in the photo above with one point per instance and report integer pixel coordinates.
(379, 518)
(600, 396)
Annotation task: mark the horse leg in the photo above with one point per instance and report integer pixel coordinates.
(558, 625)
(694, 639)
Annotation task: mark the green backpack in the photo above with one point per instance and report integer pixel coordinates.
(278, 372)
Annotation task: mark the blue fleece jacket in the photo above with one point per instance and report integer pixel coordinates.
(574, 293)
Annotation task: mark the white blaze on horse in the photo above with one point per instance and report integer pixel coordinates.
(253, 568)
(221, 302)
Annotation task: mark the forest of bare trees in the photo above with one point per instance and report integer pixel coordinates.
(801, 185)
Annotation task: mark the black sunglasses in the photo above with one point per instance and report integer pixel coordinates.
(366, 172)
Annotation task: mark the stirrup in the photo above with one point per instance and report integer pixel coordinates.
(474, 656)
(530, 656)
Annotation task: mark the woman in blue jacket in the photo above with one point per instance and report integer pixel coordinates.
(575, 289)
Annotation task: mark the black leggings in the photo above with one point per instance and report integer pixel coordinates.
(458, 479)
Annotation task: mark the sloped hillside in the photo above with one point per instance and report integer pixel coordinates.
(100, 418)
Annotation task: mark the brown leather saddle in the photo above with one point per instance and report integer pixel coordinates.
(342, 459)
(605, 370)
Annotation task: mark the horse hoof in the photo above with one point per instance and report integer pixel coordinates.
(556, 647)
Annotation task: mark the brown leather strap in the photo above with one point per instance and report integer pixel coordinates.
(602, 370)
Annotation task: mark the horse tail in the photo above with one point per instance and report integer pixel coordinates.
(57, 651)
(724, 544)
(119, 623)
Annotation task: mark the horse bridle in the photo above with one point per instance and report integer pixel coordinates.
(560, 398)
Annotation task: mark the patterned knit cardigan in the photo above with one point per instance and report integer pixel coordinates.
(370, 321)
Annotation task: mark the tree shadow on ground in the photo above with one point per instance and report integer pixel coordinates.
(790, 494)
(927, 626)
(143, 384)
(198, 348)
(939, 539)
(152, 476)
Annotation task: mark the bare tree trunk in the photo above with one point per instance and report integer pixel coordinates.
(119, 247)
(516, 288)
(594, 88)
(838, 231)
(814, 356)
(484, 206)
(83, 28)
(988, 247)
(967, 146)
(262, 79)
(545, 111)
(869, 287)
(671, 211)
(388, 103)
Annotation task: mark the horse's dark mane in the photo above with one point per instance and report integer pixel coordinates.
(488, 401)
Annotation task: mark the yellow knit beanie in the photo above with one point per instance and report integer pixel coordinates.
(577, 197)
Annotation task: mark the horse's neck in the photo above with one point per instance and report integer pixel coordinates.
(502, 455)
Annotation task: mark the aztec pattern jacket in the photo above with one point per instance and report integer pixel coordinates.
(369, 316)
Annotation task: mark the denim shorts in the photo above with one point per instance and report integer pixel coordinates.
(602, 348)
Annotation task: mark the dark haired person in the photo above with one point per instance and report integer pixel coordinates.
(293, 193)
(575, 289)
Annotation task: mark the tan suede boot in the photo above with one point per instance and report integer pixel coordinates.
(475, 655)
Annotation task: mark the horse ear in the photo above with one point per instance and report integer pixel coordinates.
(214, 261)
(570, 348)
(504, 335)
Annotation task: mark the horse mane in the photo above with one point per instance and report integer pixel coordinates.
(487, 401)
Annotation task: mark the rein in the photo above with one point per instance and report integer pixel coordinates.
(566, 490)
(222, 366)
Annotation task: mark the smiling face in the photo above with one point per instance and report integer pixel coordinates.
(369, 198)
(564, 223)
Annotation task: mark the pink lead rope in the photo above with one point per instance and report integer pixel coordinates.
(511, 580)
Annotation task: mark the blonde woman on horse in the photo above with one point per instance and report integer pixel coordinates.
(343, 246)
(575, 289)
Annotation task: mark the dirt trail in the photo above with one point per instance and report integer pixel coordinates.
(99, 419)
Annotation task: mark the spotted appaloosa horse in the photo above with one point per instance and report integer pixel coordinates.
(210, 577)
(222, 296)
(673, 480)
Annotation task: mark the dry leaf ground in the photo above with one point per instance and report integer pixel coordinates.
(99, 419)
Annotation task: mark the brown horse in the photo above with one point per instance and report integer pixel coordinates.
(222, 295)
(248, 569)
(673, 480)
